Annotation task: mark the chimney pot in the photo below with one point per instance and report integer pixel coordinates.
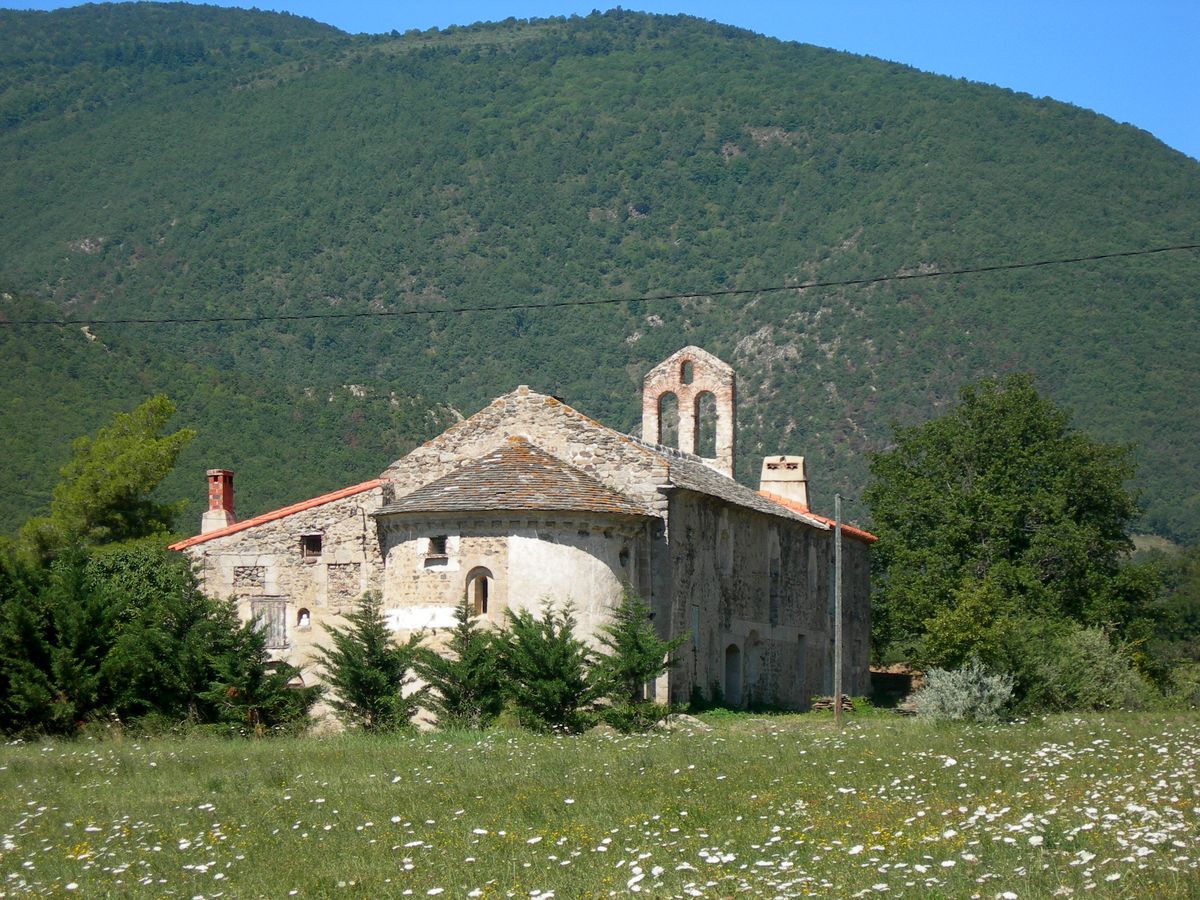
(220, 501)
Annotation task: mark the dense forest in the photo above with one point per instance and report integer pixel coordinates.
(169, 161)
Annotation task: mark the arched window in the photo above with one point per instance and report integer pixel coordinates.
(479, 588)
(668, 420)
(686, 372)
(706, 425)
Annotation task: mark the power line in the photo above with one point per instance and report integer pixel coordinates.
(650, 298)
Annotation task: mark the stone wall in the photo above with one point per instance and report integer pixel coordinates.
(761, 585)
(263, 568)
(529, 558)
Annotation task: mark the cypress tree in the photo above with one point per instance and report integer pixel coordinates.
(252, 693)
(636, 655)
(547, 670)
(368, 673)
(466, 684)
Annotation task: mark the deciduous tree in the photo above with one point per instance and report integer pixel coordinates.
(996, 510)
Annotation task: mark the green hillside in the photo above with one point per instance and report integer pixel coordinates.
(178, 161)
(285, 442)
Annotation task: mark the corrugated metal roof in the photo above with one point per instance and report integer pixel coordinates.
(516, 475)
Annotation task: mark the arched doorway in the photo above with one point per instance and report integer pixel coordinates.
(733, 675)
(479, 590)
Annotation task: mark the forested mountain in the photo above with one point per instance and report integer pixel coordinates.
(163, 161)
(285, 441)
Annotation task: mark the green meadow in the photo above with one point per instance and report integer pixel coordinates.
(772, 806)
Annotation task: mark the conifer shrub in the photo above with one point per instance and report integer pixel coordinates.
(636, 656)
(466, 685)
(368, 673)
(118, 634)
(547, 670)
(255, 695)
(969, 693)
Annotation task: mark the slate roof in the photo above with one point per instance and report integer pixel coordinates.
(688, 472)
(515, 476)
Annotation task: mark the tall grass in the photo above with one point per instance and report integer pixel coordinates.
(778, 806)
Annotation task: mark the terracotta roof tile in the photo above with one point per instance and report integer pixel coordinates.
(277, 514)
(517, 475)
(848, 530)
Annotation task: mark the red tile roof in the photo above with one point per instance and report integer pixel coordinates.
(516, 475)
(848, 530)
(277, 514)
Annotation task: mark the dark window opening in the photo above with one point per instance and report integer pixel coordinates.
(478, 591)
(623, 557)
(668, 420)
(706, 425)
(686, 372)
(310, 546)
(437, 545)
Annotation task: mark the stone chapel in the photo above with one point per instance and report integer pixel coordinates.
(530, 501)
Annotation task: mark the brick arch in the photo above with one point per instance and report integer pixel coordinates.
(709, 375)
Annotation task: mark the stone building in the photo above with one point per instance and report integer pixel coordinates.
(529, 501)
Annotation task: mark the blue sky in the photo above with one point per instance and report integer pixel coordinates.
(1136, 61)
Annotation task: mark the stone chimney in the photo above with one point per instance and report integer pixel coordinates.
(220, 501)
(784, 476)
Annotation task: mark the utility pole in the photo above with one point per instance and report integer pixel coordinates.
(837, 611)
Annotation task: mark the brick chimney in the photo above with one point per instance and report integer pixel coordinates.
(784, 476)
(220, 501)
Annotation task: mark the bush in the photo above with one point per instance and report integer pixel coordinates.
(467, 685)
(1060, 666)
(368, 672)
(636, 656)
(111, 634)
(631, 718)
(254, 694)
(547, 670)
(969, 693)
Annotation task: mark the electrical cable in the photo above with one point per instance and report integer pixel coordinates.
(651, 298)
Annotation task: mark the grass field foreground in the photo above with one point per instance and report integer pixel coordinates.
(763, 806)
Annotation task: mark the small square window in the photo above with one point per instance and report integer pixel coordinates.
(437, 545)
(310, 546)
